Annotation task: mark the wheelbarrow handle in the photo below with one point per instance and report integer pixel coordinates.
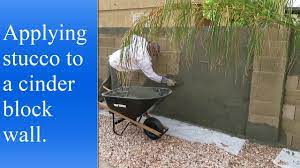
(103, 105)
(104, 87)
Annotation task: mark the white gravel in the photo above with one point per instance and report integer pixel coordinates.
(135, 150)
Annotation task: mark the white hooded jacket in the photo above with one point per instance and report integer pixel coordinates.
(138, 58)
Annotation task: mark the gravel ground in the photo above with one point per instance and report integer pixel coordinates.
(104, 164)
(135, 150)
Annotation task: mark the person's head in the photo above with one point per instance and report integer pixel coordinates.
(153, 49)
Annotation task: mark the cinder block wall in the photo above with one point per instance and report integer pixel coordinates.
(291, 112)
(122, 13)
(267, 86)
(290, 126)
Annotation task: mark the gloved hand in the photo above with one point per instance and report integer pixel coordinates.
(171, 82)
(168, 82)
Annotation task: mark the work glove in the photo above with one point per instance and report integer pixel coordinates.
(168, 82)
(171, 82)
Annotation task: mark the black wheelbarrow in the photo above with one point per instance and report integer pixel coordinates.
(132, 103)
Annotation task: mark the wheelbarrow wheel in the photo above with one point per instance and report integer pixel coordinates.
(154, 124)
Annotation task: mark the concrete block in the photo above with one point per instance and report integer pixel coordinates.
(294, 93)
(161, 69)
(297, 113)
(274, 49)
(269, 64)
(155, 64)
(270, 94)
(103, 65)
(140, 74)
(261, 119)
(142, 79)
(102, 51)
(169, 53)
(114, 19)
(296, 142)
(128, 4)
(292, 82)
(267, 79)
(286, 137)
(103, 72)
(111, 51)
(104, 60)
(119, 18)
(118, 42)
(133, 76)
(291, 126)
(288, 99)
(163, 44)
(264, 108)
(202, 59)
(277, 33)
(173, 69)
(135, 83)
(171, 46)
(288, 111)
(107, 42)
(267, 86)
(169, 58)
(289, 139)
(273, 44)
(167, 45)
(102, 54)
(286, 125)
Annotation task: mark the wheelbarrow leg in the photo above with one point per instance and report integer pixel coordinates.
(117, 122)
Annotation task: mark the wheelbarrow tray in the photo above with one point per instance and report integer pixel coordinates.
(134, 101)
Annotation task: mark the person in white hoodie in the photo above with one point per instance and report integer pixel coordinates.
(137, 56)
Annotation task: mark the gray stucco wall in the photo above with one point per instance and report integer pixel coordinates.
(202, 97)
(208, 97)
